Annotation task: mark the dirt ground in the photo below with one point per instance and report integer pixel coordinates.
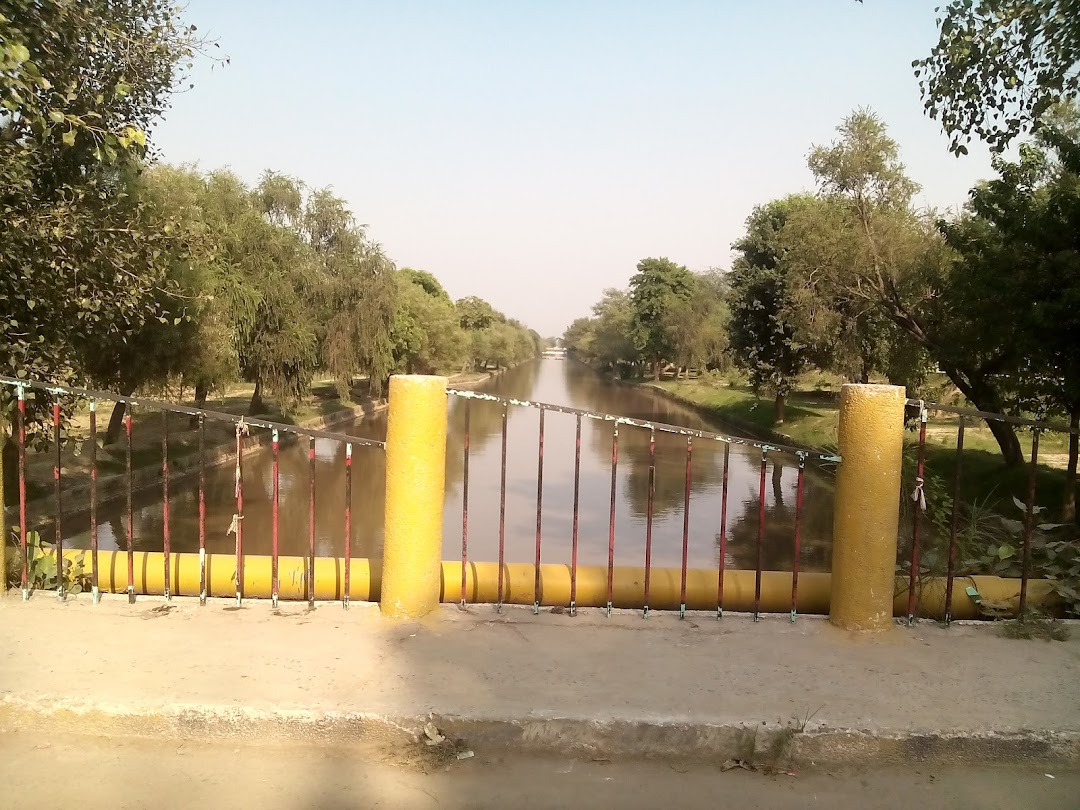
(120, 773)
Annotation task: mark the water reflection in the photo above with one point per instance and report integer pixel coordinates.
(555, 381)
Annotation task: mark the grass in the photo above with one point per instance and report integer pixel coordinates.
(812, 419)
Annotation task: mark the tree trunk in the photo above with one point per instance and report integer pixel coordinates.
(257, 404)
(1007, 441)
(779, 405)
(10, 450)
(116, 423)
(656, 369)
(1068, 502)
(985, 398)
(864, 378)
(202, 390)
(777, 480)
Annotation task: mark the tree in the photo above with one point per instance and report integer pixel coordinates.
(698, 326)
(763, 339)
(427, 336)
(81, 82)
(658, 286)
(476, 313)
(878, 252)
(1019, 249)
(998, 66)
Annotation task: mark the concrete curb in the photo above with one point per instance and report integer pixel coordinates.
(764, 745)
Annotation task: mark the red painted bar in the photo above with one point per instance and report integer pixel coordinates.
(1029, 525)
(238, 517)
(539, 513)
(951, 573)
(649, 522)
(348, 526)
(309, 580)
(465, 502)
(130, 510)
(760, 538)
(611, 519)
(685, 528)
(502, 510)
(58, 533)
(274, 520)
(22, 492)
(916, 520)
(723, 536)
(798, 539)
(94, 572)
(166, 534)
(202, 510)
(577, 503)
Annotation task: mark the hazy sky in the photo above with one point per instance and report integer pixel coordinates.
(532, 152)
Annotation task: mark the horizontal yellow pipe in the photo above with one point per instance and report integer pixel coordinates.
(482, 584)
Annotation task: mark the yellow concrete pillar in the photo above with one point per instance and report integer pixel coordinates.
(867, 507)
(415, 484)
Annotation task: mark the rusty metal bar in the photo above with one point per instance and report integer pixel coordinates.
(94, 572)
(348, 526)
(166, 538)
(22, 493)
(798, 538)
(649, 522)
(237, 527)
(611, 518)
(245, 422)
(502, 511)
(539, 509)
(659, 427)
(916, 520)
(309, 580)
(130, 510)
(58, 529)
(760, 539)
(951, 573)
(577, 502)
(202, 510)
(465, 502)
(274, 520)
(723, 536)
(685, 528)
(1042, 425)
(1029, 525)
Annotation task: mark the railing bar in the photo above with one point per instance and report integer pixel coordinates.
(685, 528)
(798, 539)
(760, 538)
(951, 573)
(57, 522)
(310, 578)
(348, 526)
(539, 513)
(166, 536)
(916, 520)
(649, 522)
(218, 416)
(577, 502)
(130, 509)
(654, 426)
(1054, 427)
(22, 494)
(611, 518)
(238, 518)
(723, 536)
(502, 510)
(465, 502)
(274, 521)
(94, 572)
(1029, 525)
(202, 510)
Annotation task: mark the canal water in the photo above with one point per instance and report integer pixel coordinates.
(554, 381)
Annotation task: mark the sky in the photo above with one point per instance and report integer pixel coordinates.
(533, 152)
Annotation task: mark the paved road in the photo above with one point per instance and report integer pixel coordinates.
(120, 773)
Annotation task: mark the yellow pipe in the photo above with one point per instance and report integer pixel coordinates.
(867, 506)
(415, 487)
(482, 584)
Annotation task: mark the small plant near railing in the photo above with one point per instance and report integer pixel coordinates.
(42, 572)
(988, 542)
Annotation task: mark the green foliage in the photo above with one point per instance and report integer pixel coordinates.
(427, 336)
(81, 81)
(763, 336)
(42, 572)
(998, 66)
(659, 286)
(492, 339)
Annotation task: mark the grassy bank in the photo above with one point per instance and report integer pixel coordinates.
(812, 419)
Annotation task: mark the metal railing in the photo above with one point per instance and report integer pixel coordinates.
(242, 425)
(801, 455)
(965, 417)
